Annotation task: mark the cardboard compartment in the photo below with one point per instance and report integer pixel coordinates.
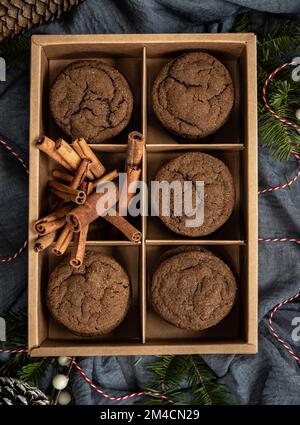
(233, 229)
(130, 67)
(231, 328)
(113, 158)
(129, 330)
(230, 133)
(139, 58)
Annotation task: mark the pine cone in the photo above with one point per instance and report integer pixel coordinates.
(16, 392)
(17, 16)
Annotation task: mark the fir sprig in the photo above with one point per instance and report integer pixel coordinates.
(276, 42)
(13, 365)
(21, 365)
(171, 373)
(164, 376)
(281, 139)
(34, 372)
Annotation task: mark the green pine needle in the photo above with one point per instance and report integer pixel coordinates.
(11, 366)
(21, 365)
(170, 372)
(281, 139)
(34, 372)
(164, 368)
(210, 395)
(276, 42)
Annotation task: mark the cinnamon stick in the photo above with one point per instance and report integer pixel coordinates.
(63, 241)
(67, 193)
(53, 221)
(84, 151)
(87, 187)
(133, 234)
(108, 177)
(43, 242)
(133, 176)
(52, 226)
(48, 146)
(85, 214)
(78, 249)
(135, 146)
(70, 155)
(81, 173)
(61, 175)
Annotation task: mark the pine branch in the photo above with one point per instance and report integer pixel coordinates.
(275, 43)
(199, 372)
(211, 395)
(168, 372)
(205, 387)
(13, 364)
(34, 372)
(244, 23)
(281, 139)
(171, 372)
(21, 365)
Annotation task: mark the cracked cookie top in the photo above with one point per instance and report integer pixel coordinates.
(193, 290)
(91, 300)
(219, 193)
(92, 100)
(193, 95)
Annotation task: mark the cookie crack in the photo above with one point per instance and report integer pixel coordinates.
(113, 105)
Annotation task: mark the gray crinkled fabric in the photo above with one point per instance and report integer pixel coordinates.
(271, 376)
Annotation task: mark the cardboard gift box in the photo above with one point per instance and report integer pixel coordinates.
(139, 58)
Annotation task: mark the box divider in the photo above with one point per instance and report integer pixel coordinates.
(193, 242)
(107, 147)
(106, 243)
(195, 146)
(144, 198)
(39, 72)
(110, 243)
(250, 171)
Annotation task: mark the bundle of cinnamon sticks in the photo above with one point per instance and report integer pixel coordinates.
(77, 197)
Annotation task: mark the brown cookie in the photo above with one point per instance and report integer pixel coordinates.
(183, 248)
(219, 193)
(92, 300)
(193, 290)
(92, 100)
(193, 95)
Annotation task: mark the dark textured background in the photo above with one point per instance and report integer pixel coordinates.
(271, 376)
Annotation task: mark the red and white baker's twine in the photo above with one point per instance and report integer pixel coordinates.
(287, 184)
(264, 95)
(281, 341)
(271, 189)
(120, 398)
(16, 155)
(16, 351)
(274, 310)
